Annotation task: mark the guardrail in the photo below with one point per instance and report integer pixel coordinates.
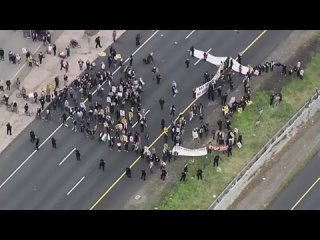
(264, 149)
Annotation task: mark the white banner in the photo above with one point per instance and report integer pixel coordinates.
(211, 59)
(190, 152)
(217, 61)
(204, 88)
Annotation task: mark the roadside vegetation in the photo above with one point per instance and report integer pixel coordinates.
(197, 194)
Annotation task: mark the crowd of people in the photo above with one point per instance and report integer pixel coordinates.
(110, 117)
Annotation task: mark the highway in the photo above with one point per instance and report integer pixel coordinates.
(32, 179)
(303, 192)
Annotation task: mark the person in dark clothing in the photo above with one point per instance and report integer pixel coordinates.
(192, 51)
(240, 139)
(131, 60)
(216, 161)
(54, 142)
(239, 58)
(229, 150)
(97, 40)
(89, 97)
(9, 128)
(199, 174)
(219, 124)
(187, 62)
(271, 99)
(162, 124)
(161, 101)
(32, 136)
(101, 164)
(37, 142)
(158, 77)
(143, 175)
(172, 110)
(54, 48)
(163, 174)
(185, 167)
(68, 51)
(183, 177)
(128, 172)
(49, 38)
(56, 80)
(138, 37)
(61, 64)
(1, 54)
(77, 155)
(8, 83)
(42, 103)
(40, 56)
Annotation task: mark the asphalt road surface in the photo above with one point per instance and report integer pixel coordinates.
(303, 192)
(41, 183)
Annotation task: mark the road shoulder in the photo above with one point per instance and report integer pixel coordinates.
(281, 168)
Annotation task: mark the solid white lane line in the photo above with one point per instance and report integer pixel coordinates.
(190, 34)
(137, 121)
(18, 168)
(76, 185)
(67, 156)
(201, 58)
(309, 189)
(70, 117)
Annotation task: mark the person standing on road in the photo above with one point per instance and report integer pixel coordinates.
(131, 60)
(40, 57)
(74, 128)
(192, 51)
(64, 118)
(143, 174)
(37, 142)
(163, 174)
(9, 128)
(54, 48)
(49, 38)
(18, 83)
(174, 88)
(162, 124)
(187, 62)
(61, 64)
(53, 142)
(128, 172)
(8, 83)
(101, 164)
(138, 37)
(161, 102)
(42, 103)
(68, 51)
(199, 174)
(80, 62)
(32, 136)
(114, 35)
(158, 77)
(172, 110)
(97, 40)
(77, 155)
(1, 54)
